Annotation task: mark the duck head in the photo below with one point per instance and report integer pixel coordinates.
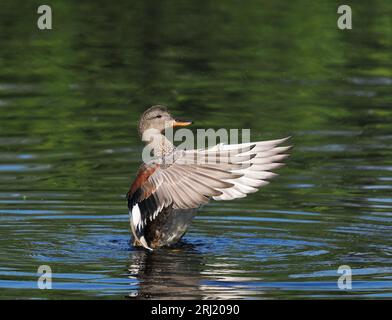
(157, 118)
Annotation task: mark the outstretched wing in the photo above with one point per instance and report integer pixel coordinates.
(188, 179)
(255, 172)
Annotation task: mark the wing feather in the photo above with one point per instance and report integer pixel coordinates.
(223, 172)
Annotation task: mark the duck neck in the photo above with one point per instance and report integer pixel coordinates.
(159, 144)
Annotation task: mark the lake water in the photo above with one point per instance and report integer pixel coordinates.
(69, 103)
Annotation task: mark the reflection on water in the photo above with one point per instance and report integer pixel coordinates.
(69, 102)
(167, 274)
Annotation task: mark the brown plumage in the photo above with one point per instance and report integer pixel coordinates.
(169, 189)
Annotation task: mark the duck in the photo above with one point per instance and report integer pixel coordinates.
(172, 185)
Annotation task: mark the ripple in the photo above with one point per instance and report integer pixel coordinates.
(376, 81)
(24, 167)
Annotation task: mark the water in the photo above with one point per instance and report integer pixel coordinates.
(69, 103)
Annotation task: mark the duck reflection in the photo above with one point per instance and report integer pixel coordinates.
(167, 273)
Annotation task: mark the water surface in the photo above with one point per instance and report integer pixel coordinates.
(69, 103)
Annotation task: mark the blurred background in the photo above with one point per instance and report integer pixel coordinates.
(70, 99)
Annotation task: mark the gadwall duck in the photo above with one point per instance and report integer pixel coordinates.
(168, 189)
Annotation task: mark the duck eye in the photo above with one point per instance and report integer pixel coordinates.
(159, 116)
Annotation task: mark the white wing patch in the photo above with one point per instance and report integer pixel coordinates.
(136, 217)
(137, 225)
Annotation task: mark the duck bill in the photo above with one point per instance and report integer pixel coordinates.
(181, 123)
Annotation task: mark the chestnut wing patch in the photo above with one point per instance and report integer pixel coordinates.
(141, 194)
